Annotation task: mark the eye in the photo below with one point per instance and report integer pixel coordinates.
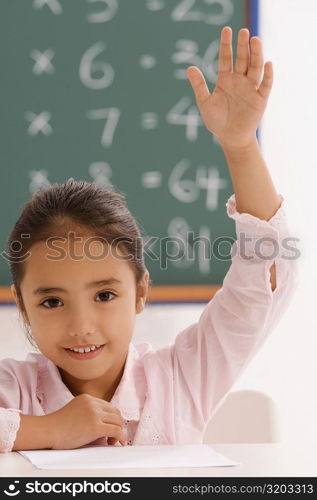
(106, 293)
(57, 300)
(49, 300)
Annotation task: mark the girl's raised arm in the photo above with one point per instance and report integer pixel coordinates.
(200, 368)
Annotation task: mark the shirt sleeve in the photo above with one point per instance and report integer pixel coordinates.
(9, 408)
(208, 356)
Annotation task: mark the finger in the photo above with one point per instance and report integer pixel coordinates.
(256, 61)
(113, 418)
(114, 431)
(225, 50)
(243, 52)
(112, 441)
(267, 82)
(198, 83)
(109, 407)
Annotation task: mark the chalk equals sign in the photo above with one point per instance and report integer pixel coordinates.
(149, 120)
(151, 179)
(155, 5)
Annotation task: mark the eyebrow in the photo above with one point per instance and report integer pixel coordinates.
(93, 284)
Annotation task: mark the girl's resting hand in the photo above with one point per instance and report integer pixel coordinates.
(85, 419)
(234, 109)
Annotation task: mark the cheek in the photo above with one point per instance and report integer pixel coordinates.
(45, 331)
(124, 310)
(43, 339)
(120, 326)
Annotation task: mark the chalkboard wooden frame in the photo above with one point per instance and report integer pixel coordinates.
(158, 294)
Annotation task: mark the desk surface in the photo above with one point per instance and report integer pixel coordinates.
(256, 460)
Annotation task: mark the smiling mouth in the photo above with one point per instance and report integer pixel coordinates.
(85, 355)
(86, 346)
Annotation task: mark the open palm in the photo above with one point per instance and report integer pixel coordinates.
(232, 112)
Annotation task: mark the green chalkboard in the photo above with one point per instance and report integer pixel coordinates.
(97, 90)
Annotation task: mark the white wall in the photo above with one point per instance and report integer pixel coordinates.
(286, 367)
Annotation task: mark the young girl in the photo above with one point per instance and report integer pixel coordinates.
(79, 280)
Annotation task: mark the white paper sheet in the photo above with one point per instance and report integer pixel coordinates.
(119, 457)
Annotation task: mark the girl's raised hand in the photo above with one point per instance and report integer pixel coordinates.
(234, 109)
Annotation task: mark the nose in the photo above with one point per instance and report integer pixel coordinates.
(81, 323)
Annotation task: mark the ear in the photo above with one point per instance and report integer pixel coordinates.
(20, 306)
(142, 291)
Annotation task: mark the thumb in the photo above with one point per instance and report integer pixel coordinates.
(198, 83)
(267, 82)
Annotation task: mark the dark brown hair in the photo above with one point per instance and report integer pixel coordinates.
(93, 209)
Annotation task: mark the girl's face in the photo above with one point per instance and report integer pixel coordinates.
(80, 311)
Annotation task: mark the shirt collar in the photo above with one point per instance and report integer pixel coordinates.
(129, 396)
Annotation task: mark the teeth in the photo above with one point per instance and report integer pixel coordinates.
(86, 349)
